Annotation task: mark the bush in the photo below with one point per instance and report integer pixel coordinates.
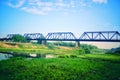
(68, 44)
(80, 51)
(62, 56)
(73, 56)
(67, 56)
(50, 46)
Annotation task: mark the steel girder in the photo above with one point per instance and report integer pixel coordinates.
(102, 35)
(34, 36)
(60, 36)
(9, 36)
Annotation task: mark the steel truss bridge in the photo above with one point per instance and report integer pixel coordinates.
(98, 36)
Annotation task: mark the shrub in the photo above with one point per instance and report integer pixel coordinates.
(73, 56)
(51, 46)
(63, 56)
(80, 51)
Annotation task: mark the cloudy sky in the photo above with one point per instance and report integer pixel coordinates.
(43, 16)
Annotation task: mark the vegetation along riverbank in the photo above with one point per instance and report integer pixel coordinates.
(70, 63)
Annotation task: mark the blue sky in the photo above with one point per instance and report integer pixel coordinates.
(43, 16)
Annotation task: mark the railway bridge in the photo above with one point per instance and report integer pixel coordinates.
(96, 36)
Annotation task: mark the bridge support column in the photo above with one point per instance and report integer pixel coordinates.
(77, 43)
(39, 41)
(44, 42)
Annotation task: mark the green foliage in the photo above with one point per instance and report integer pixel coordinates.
(50, 45)
(104, 57)
(68, 44)
(67, 56)
(80, 51)
(18, 38)
(98, 51)
(73, 56)
(88, 48)
(60, 69)
(63, 56)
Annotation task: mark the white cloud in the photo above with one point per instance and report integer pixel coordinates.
(33, 10)
(17, 3)
(48, 3)
(46, 9)
(100, 1)
(43, 7)
(83, 4)
(61, 5)
(39, 3)
(72, 3)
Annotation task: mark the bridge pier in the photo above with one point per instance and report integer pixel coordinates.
(77, 43)
(39, 41)
(44, 42)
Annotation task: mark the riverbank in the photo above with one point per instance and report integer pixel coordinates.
(60, 69)
(34, 50)
(30, 48)
(69, 64)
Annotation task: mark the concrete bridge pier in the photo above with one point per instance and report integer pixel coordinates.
(77, 44)
(39, 41)
(44, 42)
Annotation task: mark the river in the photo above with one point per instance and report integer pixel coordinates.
(4, 56)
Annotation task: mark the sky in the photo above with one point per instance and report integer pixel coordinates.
(44, 16)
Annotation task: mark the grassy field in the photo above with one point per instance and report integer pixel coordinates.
(61, 68)
(70, 64)
(29, 48)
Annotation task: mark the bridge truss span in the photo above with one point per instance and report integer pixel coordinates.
(34, 36)
(62, 36)
(113, 36)
(98, 36)
(10, 36)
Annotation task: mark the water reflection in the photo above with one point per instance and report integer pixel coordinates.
(4, 56)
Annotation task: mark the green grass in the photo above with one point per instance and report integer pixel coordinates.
(70, 64)
(61, 68)
(106, 57)
(29, 48)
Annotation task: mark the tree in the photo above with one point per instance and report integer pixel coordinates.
(18, 38)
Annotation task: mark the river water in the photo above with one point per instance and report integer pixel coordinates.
(4, 56)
